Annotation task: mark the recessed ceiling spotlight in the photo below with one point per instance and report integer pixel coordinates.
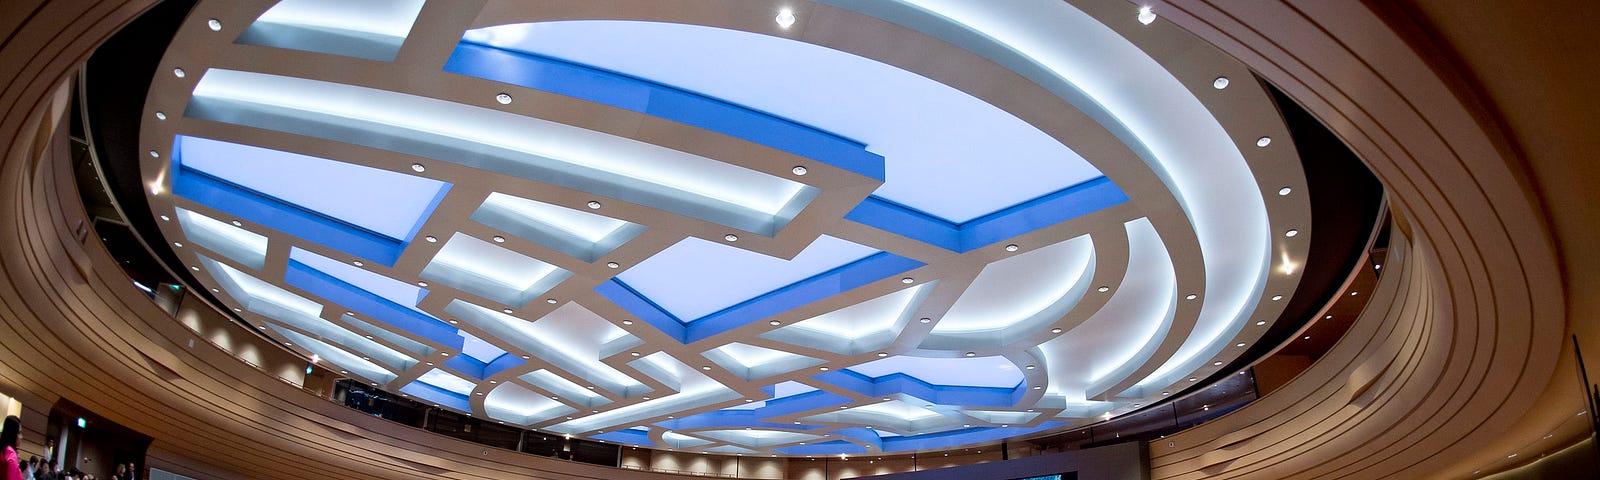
(1277, 297)
(177, 244)
(627, 322)
(705, 367)
(358, 263)
(1146, 16)
(1166, 393)
(369, 337)
(237, 223)
(907, 280)
(1240, 344)
(507, 310)
(774, 323)
(594, 205)
(422, 284)
(454, 321)
(1354, 293)
(1191, 296)
(503, 98)
(1012, 247)
(924, 320)
(1193, 379)
(613, 265)
(731, 237)
(1284, 191)
(1103, 289)
(419, 168)
(785, 18)
(1377, 267)
(1029, 367)
(883, 354)
(972, 354)
(1216, 364)
(1260, 322)
(1330, 317)
(499, 239)
(213, 290)
(1263, 141)
(1038, 387)
(237, 309)
(165, 218)
(1055, 330)
(525, 357)
(1220, 83)
(551, 301)
(161, 116)
(195, 268)
(824, 369)
(1291, 232)
(261, 327)
(1307, 337)
(799, 170)
(155, 154)
(214, 24)
(178, 72)
(444, 354)
(633, 353)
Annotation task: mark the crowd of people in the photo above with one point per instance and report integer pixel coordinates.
(35, 469)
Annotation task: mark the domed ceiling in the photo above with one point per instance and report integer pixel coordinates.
(756, 227)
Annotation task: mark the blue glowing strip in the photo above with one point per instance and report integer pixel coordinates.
(835, 447)
(631, 437)
(437, 395)
(729, 419)
(863, 434)
(1063, 205)
(480, 370)
(876, 267)
(900, 383)
(650, 98)
(337, 291)
(290, 218)
(966, 436)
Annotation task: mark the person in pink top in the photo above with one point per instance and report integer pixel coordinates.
(8, 438)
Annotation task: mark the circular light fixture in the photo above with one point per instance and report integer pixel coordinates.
(1291, 233)
(594, 205)
(214, 24)
(1216, 364)
(1103, 289)
(178, 72)
(499, 239)
(1277, 297)
(633, 353)
(358, 263)
(883, 354)
(1055, 330)
(161, 116)
(785, 18)
(431, 239)
(824, 369)
(627, 322)
(799, 170)
(419, 168)
(705, 367)
(1030, 367)
(731, 237)
(1220, 83)
(165, 218)
(1263, 141)
(422, 284)
(155, 154)
(1284, 191)
(177, 244)
(1307, 337)
(1354, 293)
(972, 354)
(1012, 247)
(195, 268)
(1240, 344)
(503, 98)
(1260, 322)
(454, 321)
(613, 265)
(907, 280)
(507, 310)
(551, 301)
(1191, 297)
(1146, 16)
(774, 323)
(924, 320)
(237, 223)
(1193, 379)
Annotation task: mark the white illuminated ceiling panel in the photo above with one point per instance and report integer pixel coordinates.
(492, 272)
(695, 277)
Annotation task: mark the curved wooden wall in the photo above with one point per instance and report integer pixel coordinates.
(1457, 349)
